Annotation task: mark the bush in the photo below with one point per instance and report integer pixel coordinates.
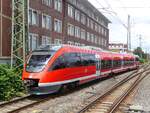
(142, 60)
(10, 82)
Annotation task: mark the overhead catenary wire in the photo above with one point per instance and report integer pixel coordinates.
(125, 9)
(113, 14)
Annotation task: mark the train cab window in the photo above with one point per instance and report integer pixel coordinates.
(36, 63)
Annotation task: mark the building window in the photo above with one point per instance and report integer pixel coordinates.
(105, 32)
(47, 2)
(74, 2)
(92, 37)
(99, 29)
(88, 36)
(77, 15)
(96, 27)
(77, 31)
(105, 42)
(33, 41)
(58, 5)
(58, 25)
(102, 42)
(57, 41)
(70, 30)
(83, 19)
(95, 39)
(46, 21)
(99, 41)
(88, 22)
(102, 31)
(70, 11)
(92, 24)
(33, 17)
(46, 40)
(83, 34)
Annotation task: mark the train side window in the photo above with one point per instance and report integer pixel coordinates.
(88, 59)
(117, 63)
(92, 59)
(59, 63)
(73, 59)
(106, 64)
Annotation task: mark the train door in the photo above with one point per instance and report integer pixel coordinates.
(98, 64)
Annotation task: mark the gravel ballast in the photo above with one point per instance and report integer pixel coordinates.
(71, 103)
(142, 96)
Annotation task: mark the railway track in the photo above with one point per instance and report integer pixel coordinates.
(111, 99)
(29, 101)
(20, 104)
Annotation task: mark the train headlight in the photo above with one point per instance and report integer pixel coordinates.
(31, 82)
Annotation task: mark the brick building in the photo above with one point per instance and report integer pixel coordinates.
(74, 22)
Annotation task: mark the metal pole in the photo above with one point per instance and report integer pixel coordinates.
(140, 41)
(129, 34)
(12, 36)
(140, 44)
(1, 27)
(18, 42)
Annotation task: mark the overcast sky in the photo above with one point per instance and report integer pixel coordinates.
(117, 12)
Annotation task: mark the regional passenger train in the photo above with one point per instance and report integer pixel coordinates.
(50, 68)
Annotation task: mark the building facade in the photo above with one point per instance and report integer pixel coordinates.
(5, 30)
(74, 22)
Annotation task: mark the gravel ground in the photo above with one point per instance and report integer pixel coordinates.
(142, 96)
(72, 102)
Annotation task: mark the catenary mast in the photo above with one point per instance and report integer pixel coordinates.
(19, 32)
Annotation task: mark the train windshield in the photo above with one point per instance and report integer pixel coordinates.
(36, 63)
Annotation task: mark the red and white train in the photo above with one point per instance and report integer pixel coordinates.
(51, 67)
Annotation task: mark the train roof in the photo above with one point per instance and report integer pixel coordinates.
(56, 47)
(47, 48)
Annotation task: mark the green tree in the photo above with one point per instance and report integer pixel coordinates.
(138, 51)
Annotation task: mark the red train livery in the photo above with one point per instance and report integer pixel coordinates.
(51, 67)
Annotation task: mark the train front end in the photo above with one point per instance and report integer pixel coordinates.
(35, 71)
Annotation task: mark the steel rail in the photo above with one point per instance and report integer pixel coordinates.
(107, 92)
(14, 101)
(124, 95)
(29, 105)
(23, 107)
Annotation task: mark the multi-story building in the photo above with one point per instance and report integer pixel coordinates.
(5, 30)
(74, 22)
(118, 47)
